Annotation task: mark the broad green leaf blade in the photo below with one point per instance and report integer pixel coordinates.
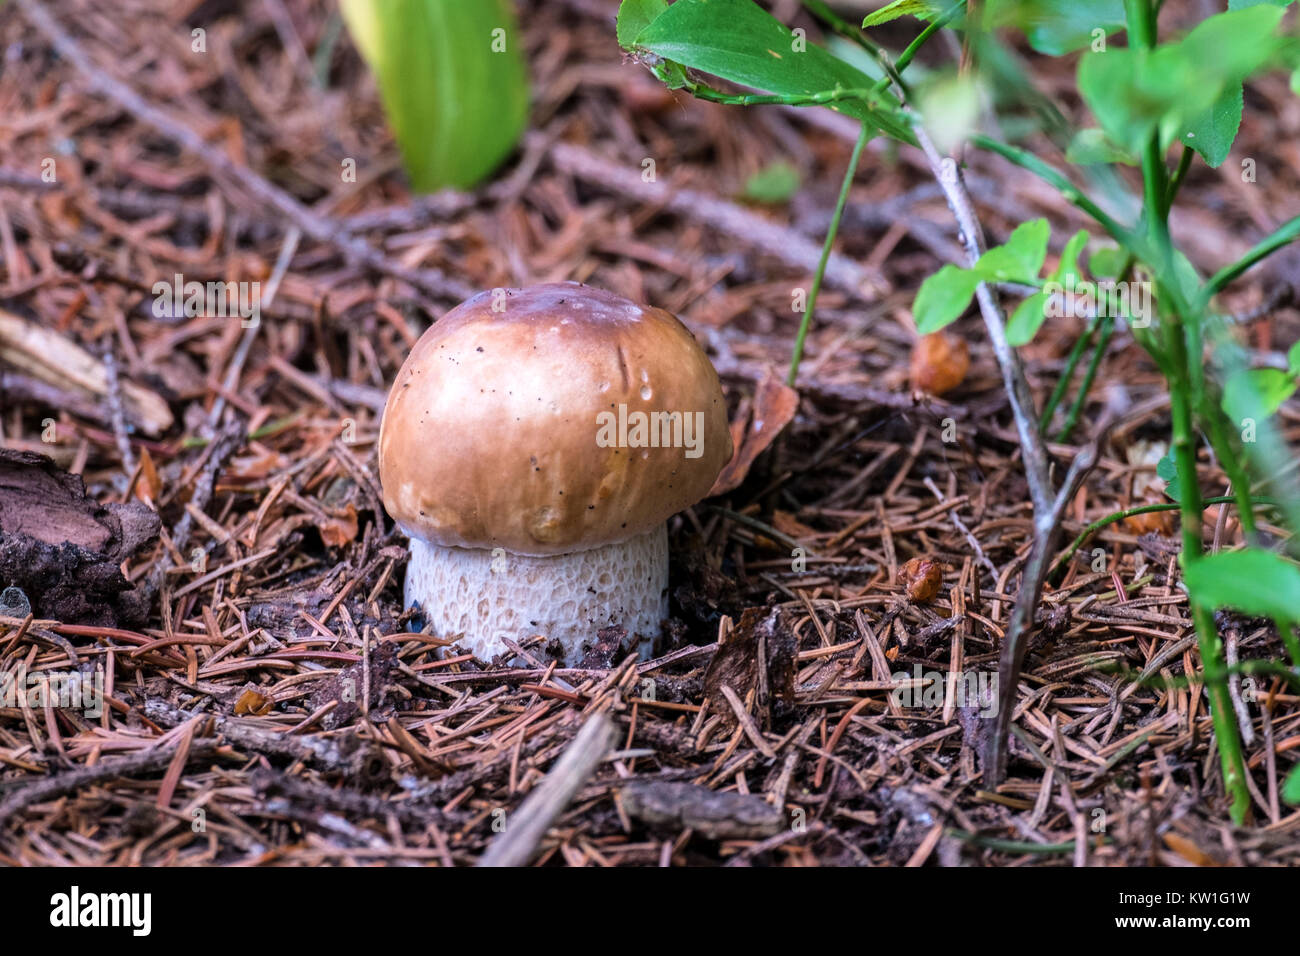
(1130, 91)
(1056, 27)
(1019, 258)
(943, 298)
(634, 16)
(1212, 131)
(1068, 265)
(1293, 359)
(899, 8)
(1027, 319)
(453, 81)
(1251, 395)
(1253, 581)
(1233, 45)
(739, 41)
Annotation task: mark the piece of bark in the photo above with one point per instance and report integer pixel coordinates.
(713, 815)
(63, 364)
(606, 649)
(64, 549)
(757, 654)
(346, 689)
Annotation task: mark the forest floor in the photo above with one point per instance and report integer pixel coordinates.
(272, 579)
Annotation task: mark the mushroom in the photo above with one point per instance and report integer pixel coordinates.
(533, 447)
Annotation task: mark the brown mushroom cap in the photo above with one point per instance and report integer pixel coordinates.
(489, 437)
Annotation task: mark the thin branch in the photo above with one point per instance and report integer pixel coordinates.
(109, 770)
(524, 831)
(1013, 373)
(1049, 505)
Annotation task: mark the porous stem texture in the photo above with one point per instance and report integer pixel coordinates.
(478, 597)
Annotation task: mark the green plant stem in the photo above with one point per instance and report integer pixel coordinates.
(1055, 178)
(1141, 18)
(1016, 846)
(1286, 233)
(930, 30)
(1076, 407)
(1067, 374)
(1072, 362)
(893, 71)
(821, 11)
(1207, 634)
(1156, 192)
(1176, 182)
(868, 95)
(863, 135)
(1233, 467)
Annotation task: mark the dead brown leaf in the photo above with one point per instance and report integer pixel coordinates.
(253, 703)
(773, 408)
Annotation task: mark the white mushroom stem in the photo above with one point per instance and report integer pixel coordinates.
(477, 597)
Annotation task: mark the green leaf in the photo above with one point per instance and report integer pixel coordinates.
(634, 16)
(1090, 147)
(1291, 789)
(1068, 265)
(1019, 258)
(1243, 4)
(1253, 581)
(899, 8)
(739, 41)
(1027, 319)
(1132, 90)
(1057, 27)
(1167, 469)
(1256, 393)
(1293, 359)
(774, 183)
(1233, 45)
(453, 81)
(1106, 262)
(943, 298)
(1211, 132)
(1129, 91)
